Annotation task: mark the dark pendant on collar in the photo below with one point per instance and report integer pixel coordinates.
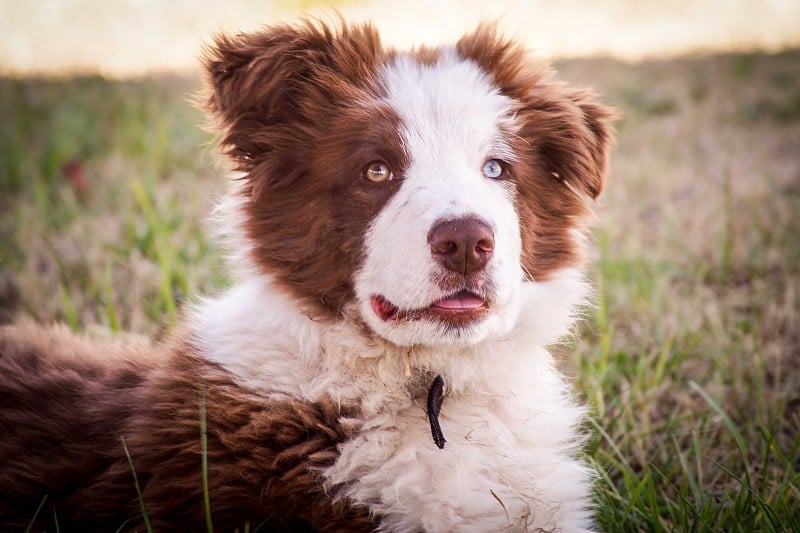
(435, 398)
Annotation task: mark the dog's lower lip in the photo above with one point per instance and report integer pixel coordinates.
(385, 309)
(462, 306)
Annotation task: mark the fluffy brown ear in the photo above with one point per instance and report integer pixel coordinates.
(571, 135)
(282, 74)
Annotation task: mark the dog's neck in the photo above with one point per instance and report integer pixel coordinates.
(260, 334)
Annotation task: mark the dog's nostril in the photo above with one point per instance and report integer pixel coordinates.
(444, 247)
(462, 245)
(485, 245)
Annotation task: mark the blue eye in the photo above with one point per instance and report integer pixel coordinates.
(493, 169)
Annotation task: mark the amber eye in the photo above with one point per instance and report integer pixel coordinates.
(378, 171)
(493, 169)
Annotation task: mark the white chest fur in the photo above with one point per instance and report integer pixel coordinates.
(507, 463)
(510, 424)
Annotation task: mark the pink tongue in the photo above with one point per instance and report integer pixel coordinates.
(461, 300)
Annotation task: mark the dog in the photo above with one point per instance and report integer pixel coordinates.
(407, 232)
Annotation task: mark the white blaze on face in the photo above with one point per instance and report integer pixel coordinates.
(453, 120)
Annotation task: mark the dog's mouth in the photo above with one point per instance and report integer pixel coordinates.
(456, 309)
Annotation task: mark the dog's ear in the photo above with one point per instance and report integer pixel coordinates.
(570, 135)
(280, 75)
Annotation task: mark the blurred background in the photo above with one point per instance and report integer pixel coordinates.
(134, 37)
(689, 357)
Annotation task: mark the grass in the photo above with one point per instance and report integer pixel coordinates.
(148, 527)
(690, 359)
(204, 465)
(103, 189)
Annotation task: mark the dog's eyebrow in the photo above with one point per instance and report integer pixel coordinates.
(435, 398)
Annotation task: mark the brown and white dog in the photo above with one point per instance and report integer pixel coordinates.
(407, 235)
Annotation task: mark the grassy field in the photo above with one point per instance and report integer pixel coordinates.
(690, 359)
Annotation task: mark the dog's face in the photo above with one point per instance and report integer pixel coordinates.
(421, 189)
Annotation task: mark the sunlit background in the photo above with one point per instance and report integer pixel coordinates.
(689, 359)
(134, 37)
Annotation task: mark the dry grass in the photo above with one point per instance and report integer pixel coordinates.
(691, 360)
(105, 189)
(694, 370)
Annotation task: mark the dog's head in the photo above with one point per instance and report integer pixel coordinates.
(421, 188)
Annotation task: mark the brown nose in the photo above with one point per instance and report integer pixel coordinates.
(463, 245)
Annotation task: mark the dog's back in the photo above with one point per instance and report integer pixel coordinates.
(90, 430)
(64, 402)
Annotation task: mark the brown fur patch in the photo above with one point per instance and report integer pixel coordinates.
(66, 404)
(302, 117)
(563, 145)
(301, 113)
(426, 55)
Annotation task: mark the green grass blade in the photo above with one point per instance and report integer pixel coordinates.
(726, 420)
(69, 309)
(108, 293)
(36, 514)
(147, 524)
(204, 459)
(744, 484)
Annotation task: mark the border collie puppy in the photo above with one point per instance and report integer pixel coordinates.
(407, 232)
